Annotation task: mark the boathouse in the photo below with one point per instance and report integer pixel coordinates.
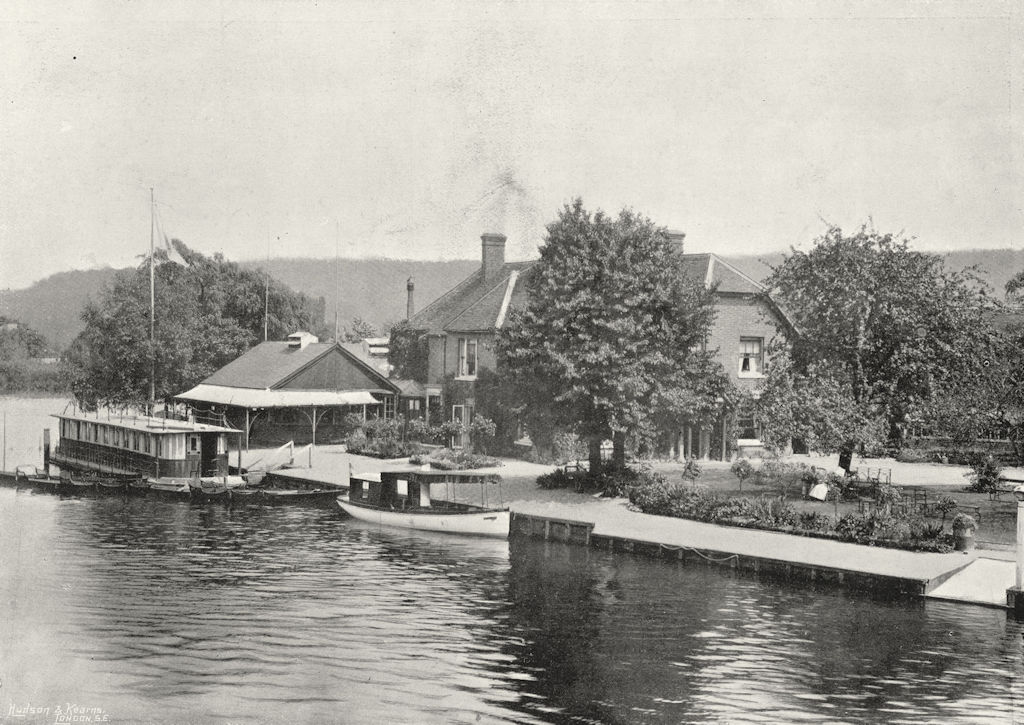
(299, 389)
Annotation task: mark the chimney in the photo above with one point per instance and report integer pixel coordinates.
(408, 299)
(493, 258)
(676, 237)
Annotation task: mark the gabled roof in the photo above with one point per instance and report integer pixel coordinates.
(272, 364)
(713, 270)
(477, 303)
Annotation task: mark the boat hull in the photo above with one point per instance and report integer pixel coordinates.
(473, 523)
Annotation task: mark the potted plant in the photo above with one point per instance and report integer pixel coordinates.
(963, 532)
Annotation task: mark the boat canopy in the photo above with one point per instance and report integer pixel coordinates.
(254, 398)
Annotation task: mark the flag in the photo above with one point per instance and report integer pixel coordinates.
(171, 251)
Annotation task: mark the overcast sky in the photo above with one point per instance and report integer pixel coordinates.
(407, 129)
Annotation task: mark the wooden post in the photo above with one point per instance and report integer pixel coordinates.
(246, 429)
(313, 443)
(46, 451)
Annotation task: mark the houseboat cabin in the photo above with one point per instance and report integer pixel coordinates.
(434, 490)
(141, 445)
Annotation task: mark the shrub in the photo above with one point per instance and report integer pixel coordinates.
(984, 475)
(945, 505)
(558, 478)
(815, 521)
(742, 469)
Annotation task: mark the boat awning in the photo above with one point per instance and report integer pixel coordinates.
(254, 398)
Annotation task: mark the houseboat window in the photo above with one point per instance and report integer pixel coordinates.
(467, 357)
(751, 356)
(145, 442)
(117, 436)
(401, 487)
(193, 444)
(106, 434)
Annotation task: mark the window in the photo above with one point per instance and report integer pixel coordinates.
(461, 414)
(389, 406)
(751, 357)
(414, 404)
(467, 357)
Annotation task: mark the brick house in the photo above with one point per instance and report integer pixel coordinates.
(745, 323)
(460, 329)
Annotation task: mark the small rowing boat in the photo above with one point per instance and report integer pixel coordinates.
(405, 499)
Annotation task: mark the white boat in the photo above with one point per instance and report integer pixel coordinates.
(403, 499)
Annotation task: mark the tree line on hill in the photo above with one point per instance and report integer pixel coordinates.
(607, 346)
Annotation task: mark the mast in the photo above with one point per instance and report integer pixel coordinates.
(337, 242)
(152, 305)
(266, 292)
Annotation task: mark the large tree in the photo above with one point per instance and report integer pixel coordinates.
(884, 325)
(611, 319)
(208, 312)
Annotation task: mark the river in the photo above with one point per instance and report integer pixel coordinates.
(143, 610)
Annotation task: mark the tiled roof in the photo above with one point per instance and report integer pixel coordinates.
(478, 304)
(267, 364)
(712, 269)
(271, 363)
(474, 304)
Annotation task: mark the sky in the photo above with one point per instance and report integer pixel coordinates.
(406, 130)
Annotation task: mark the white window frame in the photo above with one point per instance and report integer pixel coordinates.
(757, 368)
(469, 357)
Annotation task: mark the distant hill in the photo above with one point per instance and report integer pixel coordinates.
(373, 289)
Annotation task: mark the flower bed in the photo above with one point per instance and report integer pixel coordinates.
(654, 495)
(447, 459)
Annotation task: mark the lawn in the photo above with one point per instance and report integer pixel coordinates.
(997, 520)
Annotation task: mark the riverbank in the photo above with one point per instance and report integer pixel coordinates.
(609, 523)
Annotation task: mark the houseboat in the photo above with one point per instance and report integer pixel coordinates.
(410, 499)
(140, 446)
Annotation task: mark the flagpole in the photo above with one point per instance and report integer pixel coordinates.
(152, 305)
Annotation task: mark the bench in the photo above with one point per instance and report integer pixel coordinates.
(1005, 484)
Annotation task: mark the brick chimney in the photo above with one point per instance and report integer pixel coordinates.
(493, 257)
(676, 237)
(409, 309)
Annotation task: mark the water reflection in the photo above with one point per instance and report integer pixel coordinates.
(166, 611)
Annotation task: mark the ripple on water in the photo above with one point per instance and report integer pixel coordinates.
(160, 610)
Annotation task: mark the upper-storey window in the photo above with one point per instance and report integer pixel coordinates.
(467, 357)
(751, 356)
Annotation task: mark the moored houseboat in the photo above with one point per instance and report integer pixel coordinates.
(143, 446)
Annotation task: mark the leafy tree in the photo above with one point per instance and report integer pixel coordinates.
(611, 316)
(208, 312)
(19, 341)
(407, 352)
(879, 324)
(360, 330)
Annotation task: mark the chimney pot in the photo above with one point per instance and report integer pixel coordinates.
(493, 252)
(408, 301)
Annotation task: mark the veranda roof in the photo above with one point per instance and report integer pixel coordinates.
(255, 398)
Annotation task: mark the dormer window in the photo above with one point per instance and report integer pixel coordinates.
(467, 357)
(751, 357)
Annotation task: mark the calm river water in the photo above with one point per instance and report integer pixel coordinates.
(149, 610)
(146, 610)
